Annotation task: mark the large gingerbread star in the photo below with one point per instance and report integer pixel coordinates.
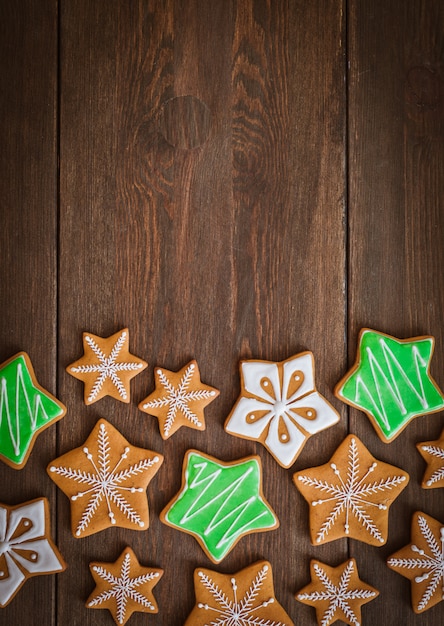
(244, 598)
(422, 562)
(106, 367)
(433, 453)
(26, 409)
(350, 496)
(179, 399)
(219, 502)
(124, 587)
(280, 406)
(337, 593)
(390, 381)
(106, 480)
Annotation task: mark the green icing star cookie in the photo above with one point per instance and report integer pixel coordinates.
(390, 381)
(25, 410)
(219, 502)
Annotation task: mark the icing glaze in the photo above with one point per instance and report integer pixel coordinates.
(280, 406)
(104, 479)
(25, 548)
(220, 502)
(423, 562)
(351, 495)
(106, 367)
(25, 409)
(391, 382)
(336, 593)
(124, 587)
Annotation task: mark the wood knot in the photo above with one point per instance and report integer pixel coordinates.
(185, 122)
(423, 88)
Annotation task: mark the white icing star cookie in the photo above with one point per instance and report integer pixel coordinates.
(280, 406)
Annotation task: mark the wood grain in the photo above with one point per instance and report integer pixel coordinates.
(396, 179)
(28, 245)
(226, 190)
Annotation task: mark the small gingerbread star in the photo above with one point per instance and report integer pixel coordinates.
(106, 367)
(106, 480)
(433, 453)
(337, 593)
(179, 399)
(124, 587)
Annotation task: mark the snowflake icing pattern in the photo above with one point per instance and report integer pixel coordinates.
(352, 497)
(106, 486)
(245, 611)
(439, 473)
(178, 399)
(433, 453)
(338, 597)
(124, 588)
(426, 570)
(107, 367)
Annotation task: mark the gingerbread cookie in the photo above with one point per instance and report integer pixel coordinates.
(219, 502)
(246, 597)
(390, 382)
(106, 367)
(422, 562)
(279, 406)
(26, 547)
(179, 399)
(124, 587)
(106, 480)
(350, 496)
(26, 409)
(433, 453)
(337, 593)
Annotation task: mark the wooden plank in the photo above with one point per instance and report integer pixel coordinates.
(396, 171)
(202, 199)
(28, 244)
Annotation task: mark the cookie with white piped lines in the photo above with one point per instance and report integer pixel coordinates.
(106, 480)
(106, 367)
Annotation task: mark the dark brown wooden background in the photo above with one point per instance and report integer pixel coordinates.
(229, 179)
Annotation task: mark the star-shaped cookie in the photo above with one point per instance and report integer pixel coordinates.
(106, 480)
(390, 381)
(280, 406)
(179, 399)
(422, 562)
(106, 367)
(26, 547)
(350, 496)
(26, 409)
(337, 593)
(244, 598)
(124, 587)
(433, 453)
(219, 502)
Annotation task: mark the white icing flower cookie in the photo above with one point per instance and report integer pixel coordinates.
(279, 406)
(106, 480)
(26, 547)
